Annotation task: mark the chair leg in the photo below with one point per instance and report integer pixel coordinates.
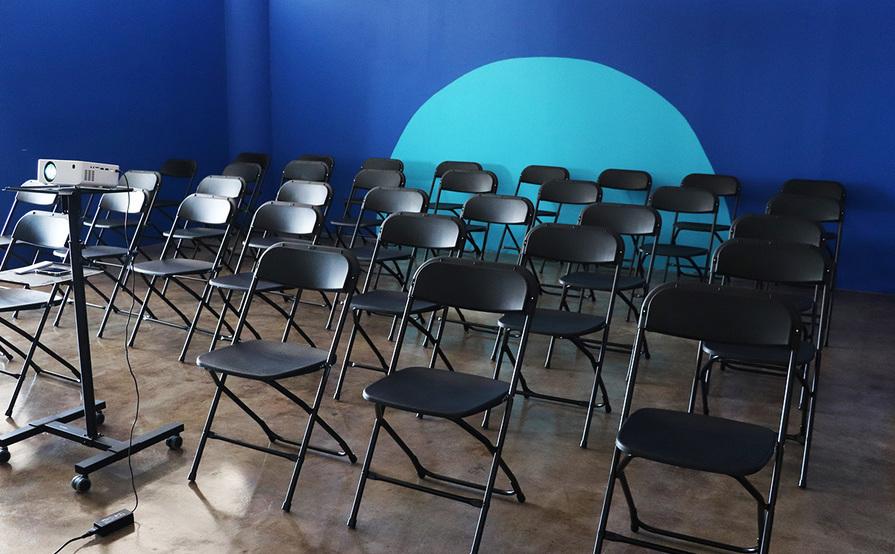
(607, 502)
(27, 361)
(500, 350)
(355, 317)
(143, 307)
(203, 301)
(200, 448)
(62, 307)
(492, 476)
(119, 282)
(303, 449)
(598, 383)
(809, 427)
(365, 471)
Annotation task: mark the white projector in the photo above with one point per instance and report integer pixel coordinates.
(75, 172)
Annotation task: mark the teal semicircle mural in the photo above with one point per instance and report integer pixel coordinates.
(574, 113)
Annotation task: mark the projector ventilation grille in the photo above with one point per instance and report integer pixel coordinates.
(89, 175)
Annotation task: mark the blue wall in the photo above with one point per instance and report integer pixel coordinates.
(132, 83)
(773, 89)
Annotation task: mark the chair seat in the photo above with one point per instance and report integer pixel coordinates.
(770, 355)
(12, 300)
(365, 253)
(100, 251)
(591, 280)
(111, 222)
(437, 392)
(555, 323)
(447, 206)
(476, 228)
(264, 360)
(353, 222)
(174, 266)
(390, 302)
(674, 250)
(193, 233)
(241, 281)
(699, 442)
(799, 302)
(266, 242)
(700, 227)
(545, 213)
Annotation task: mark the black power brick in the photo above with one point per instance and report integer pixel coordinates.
(113, 522)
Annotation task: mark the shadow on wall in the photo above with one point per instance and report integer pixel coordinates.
(574, 113)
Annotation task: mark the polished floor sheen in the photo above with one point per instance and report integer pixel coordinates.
(234, 506)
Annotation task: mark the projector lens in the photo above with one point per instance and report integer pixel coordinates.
(50, 172)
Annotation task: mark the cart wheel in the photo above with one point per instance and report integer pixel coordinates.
(80, 483)
(174, 442)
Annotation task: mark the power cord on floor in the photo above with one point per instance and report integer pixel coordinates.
(122, 518)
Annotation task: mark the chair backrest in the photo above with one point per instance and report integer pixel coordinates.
(225, 186)
(540, 174)
(713, 313)
(310, 193)
(499, 209)
(623, 219)
(421, 230)
(779, 228)
(719, 185)
(260, 158)
(205, 209)
(179, 168)
(306, 170)
(472, 182)
(142, 180)
(131, 202)
(372, 178)
(574, 244)
(287, 219)
(475, 285)
(444, 167)
(814, 208)
(570, 191)
(772, 262)
(250, 172)
(625, 179)
(41, 230)
(387, 200)
(309, 267)
(684, 200)
(833, 190)
(391, 164)
(328, 160)
(35, 198)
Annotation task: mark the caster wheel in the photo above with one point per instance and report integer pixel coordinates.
(80, 483)
(174, 442)
(100, 418)
(4, 455)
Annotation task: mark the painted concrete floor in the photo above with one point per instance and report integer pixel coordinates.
(234, 506)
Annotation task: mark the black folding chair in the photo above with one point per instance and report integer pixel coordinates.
(390, 164)
(628, 180)
(173, 169)
(494, 209)
(365, 181)
(291, 266)
(686, 201)
(453, 395)
(328, 161)
(45, 232)
(444, 167)
(826, 207)
(626, 220)
(458, 183)
(767, 263)
(27, 198)
(722, 186)
(279, 222)
(703, 312)
(199, 209)
(532, 175)
(416, 231)
(133, 210)
(378, 204)
(569, 244)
